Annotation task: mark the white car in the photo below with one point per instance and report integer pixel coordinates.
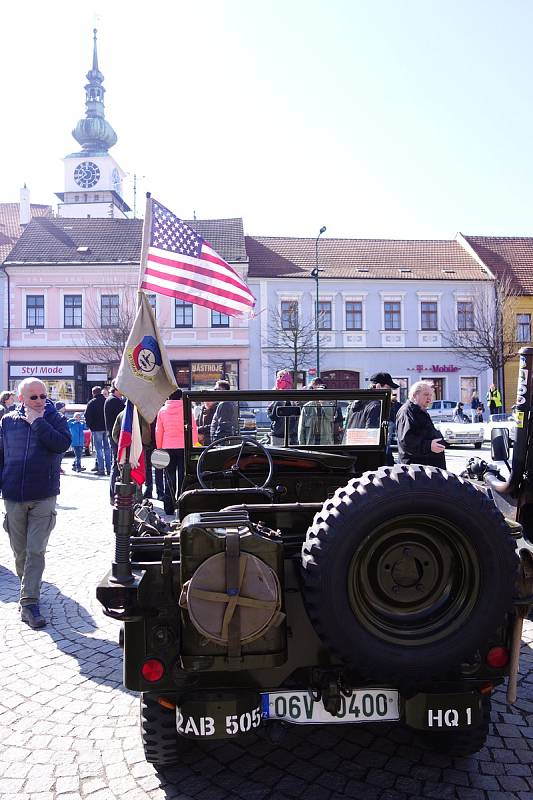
(441, 410)
(501, 421)
(462, 433)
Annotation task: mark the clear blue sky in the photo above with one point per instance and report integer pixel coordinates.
(378, 119)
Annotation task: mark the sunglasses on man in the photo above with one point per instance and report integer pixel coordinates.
(38, 396)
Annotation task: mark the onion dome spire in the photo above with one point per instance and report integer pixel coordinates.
(94, 132)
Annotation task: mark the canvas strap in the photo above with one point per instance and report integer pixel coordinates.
(231, 622)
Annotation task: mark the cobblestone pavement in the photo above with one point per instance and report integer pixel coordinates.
(69, 730)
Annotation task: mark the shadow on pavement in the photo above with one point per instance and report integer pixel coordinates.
(72, 628)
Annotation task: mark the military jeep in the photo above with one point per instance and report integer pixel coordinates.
(304, 581)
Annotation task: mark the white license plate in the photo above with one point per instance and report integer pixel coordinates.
(300, 707)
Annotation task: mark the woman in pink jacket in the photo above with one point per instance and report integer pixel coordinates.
(170, 436)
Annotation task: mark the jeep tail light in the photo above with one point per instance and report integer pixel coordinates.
(152, 670)
(497, 657)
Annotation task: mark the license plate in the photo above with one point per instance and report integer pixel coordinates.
(301, 707)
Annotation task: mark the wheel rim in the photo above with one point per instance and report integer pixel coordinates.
(414, 581)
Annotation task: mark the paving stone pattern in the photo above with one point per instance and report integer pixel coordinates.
(68, 729)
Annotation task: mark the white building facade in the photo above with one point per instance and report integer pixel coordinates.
(383, 306)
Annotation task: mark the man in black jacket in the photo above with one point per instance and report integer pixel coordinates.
(94, 419)
(419, 442)
(225, 421)
(113, 405)
(367, 413)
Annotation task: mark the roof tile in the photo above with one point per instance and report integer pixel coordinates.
(10, 227)
(507, 256)
(58, 240)
(282, 257)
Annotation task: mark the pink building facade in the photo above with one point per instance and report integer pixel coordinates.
(71, 290)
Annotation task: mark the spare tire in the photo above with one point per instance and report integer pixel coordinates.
(407, 571)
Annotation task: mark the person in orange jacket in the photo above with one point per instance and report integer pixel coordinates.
(170, 436)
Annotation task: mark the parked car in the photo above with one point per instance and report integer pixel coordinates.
(246, 419)
(462, 433)
(69, 411)
(441, 410)
(501, 421)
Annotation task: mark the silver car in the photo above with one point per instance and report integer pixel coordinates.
(441, 410)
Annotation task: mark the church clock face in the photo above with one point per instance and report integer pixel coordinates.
(86, 174)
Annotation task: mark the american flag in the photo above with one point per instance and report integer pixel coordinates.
(180, 263)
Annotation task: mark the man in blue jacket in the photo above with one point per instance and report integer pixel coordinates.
(32, 440)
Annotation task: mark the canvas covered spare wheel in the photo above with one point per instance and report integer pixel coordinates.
(233, 599)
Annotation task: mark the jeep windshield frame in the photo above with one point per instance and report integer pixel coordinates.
(352, 444)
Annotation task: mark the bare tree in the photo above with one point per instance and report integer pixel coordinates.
(109, 325)
(291, 340)
(487, 338)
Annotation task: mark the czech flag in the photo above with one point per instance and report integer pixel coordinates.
(130, 436)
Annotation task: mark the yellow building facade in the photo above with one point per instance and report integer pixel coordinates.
(522, 314)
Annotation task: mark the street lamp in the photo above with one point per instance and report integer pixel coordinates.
(315, 273)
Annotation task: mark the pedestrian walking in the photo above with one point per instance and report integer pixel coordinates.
(76, 428)
(113, 405)
(419, 442)
(391, 434)
(95, 420)
(225, 420)
(170, 436)
(159, 473)
(368, 413)
(204, 421)
(7, 402)
(475, 403)
(494, 400)
(32, 441)
(60, 408)
(459, 414)
(283, 383)
(317, 422)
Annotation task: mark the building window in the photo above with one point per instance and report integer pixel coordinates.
(324, 315)
(289, 315)
(392, 315)
(468, 386)
(152, 299)
(182, 314)
(354, 315)
(523, 327)
(109, 311)
(465, 315)
(428, 316)
(35, 311)
(72, 311)
(219, 320)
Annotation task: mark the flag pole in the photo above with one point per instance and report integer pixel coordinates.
(147, 227)
(124, 487)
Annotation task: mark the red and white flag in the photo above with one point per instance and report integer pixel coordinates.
(179, 263)
(130, 437)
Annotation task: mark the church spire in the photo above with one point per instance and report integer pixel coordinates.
(94, 132)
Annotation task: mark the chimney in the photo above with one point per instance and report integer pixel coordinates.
(25, 212)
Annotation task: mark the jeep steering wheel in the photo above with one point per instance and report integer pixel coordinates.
(235, 470)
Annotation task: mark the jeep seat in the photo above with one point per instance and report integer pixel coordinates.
(196, 500)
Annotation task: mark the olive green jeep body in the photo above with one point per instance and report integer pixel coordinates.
(308, 582)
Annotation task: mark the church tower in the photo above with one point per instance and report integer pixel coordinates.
(93, 179)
